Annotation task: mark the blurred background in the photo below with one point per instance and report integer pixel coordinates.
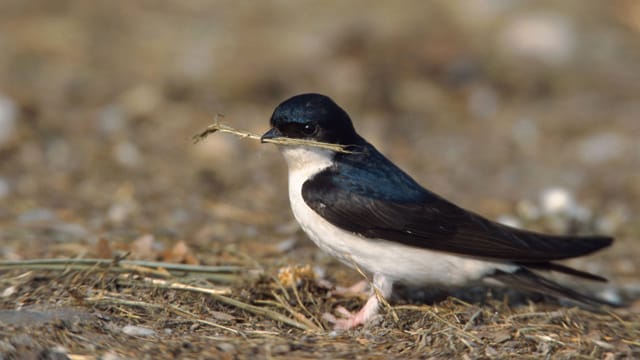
(525, 111)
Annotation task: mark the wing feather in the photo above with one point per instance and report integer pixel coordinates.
(383, 202)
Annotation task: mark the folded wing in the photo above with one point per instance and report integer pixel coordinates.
(382, 202)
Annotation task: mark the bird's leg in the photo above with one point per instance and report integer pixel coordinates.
(356, 289)
(382, 287)
(359, 289)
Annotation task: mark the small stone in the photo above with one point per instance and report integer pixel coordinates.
(22, 340)
(39, 215)
(54, 353)
(8, 292)
(286, 245)
(509, 221)
(126, 154)
(579, 213)
(527, 210)
(137, 330)
(320, 271)
(4, 188)
(613, 219)
(288, 228)
(222, 316)
(280, 349)
(611, 294)
(110, 356)
(111, 119)
(141, 100)
(8, 119)
(69, 231)
(482, 102)
(491, 352)
(6, 347)
(545, 37)
(602, 148)
(226, 347)
(525, 133)
(556, 200)
(120, 211)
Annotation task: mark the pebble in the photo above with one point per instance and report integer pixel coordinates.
(8, 119)
(110, 356)
(320, 271)
(546, 37)
(54, 353)
(141, 100)
(611, 294)
(4, 188)
(527, 210)
(22, 340)
(137, 330)
(483, 102)
(111, 120)
(36, 216)
(6, 347)
(509, 220)
(126, 154)
(602, 148)
(286, 245)
(288, 228)
(280, 349)
(226, 347)
(69, 231)
(525, 133)
(120, 211)
(8, 291)
(556, 200)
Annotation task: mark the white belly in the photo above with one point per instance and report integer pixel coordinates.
(397, 262)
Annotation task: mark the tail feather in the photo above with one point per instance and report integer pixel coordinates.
(549, 266)
(527, 280)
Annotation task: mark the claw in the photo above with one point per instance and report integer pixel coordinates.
(350, 320)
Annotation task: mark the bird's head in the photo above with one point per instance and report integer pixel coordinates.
(312, 117)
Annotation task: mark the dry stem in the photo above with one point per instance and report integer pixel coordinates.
(217, 127)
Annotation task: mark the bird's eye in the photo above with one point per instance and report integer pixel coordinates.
(309, 129)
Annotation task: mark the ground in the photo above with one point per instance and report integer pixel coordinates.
(522, 111)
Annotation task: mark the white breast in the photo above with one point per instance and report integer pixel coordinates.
(398, 262)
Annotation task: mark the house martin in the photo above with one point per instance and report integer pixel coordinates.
(368, 213)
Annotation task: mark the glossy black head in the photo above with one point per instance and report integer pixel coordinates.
(313, 117)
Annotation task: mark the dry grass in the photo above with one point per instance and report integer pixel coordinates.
(218, 127)
(262, 317)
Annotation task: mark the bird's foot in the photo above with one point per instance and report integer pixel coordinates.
(348, 320)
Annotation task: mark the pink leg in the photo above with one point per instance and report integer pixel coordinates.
(368, 311)
(355, 289)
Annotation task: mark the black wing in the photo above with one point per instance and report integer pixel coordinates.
(366, 194)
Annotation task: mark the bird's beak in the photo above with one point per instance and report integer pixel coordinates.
(273, 133)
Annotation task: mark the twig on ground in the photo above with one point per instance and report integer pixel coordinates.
(217, 295)
(172, 308)
(224, 274)
(298, 316)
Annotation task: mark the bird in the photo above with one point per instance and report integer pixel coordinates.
(361, 208)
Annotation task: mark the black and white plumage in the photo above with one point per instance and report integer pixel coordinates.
(367, 212)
